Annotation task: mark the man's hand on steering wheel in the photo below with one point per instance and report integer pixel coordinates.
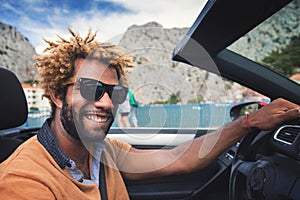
(274, 114)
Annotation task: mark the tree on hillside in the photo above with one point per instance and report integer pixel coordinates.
(173, 99)
(287, 60)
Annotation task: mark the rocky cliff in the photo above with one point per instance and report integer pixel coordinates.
(16, 53)
(274, 33)
(156, 77)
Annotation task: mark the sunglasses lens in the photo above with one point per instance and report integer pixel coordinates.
(118, 94)
(93, 90)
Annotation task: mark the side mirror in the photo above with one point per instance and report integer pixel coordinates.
(245, 108)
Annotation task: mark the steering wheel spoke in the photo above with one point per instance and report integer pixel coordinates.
(245, 168)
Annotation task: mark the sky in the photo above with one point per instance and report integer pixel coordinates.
(44, 19)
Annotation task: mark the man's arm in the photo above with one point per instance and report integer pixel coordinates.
(200, 152)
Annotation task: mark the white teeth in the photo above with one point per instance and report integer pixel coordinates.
(97, 118)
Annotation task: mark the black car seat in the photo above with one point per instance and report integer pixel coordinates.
(13, 110)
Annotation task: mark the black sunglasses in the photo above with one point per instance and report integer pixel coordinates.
(93, 90)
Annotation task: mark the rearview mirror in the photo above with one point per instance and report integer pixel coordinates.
(245, 108)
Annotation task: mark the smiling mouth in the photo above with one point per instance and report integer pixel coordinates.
(97, 118)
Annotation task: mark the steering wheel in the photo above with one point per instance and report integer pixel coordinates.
(260, 171)
(249, 173)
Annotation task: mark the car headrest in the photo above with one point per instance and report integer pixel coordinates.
(13, 104)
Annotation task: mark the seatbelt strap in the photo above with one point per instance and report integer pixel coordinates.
(102, 183)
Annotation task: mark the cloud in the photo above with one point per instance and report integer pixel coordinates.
(11, 8)
(48, 19)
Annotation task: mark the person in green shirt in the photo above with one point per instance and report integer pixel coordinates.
(133, 105)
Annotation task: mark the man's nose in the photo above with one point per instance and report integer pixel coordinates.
(104, 102)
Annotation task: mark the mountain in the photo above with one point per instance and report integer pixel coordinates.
(16, 53)
(156, 77)
(274, 33)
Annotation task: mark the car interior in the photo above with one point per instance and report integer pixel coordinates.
(264, 165)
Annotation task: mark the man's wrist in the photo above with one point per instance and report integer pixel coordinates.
(244, 122)
(247, 122)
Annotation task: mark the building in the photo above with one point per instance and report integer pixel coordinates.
(34, 98)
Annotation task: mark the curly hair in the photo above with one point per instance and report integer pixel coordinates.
(57, 64)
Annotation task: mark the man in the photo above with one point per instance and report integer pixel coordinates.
(84, 81)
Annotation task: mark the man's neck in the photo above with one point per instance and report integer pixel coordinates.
(72, 147)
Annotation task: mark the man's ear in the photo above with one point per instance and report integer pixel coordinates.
(56, 99)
